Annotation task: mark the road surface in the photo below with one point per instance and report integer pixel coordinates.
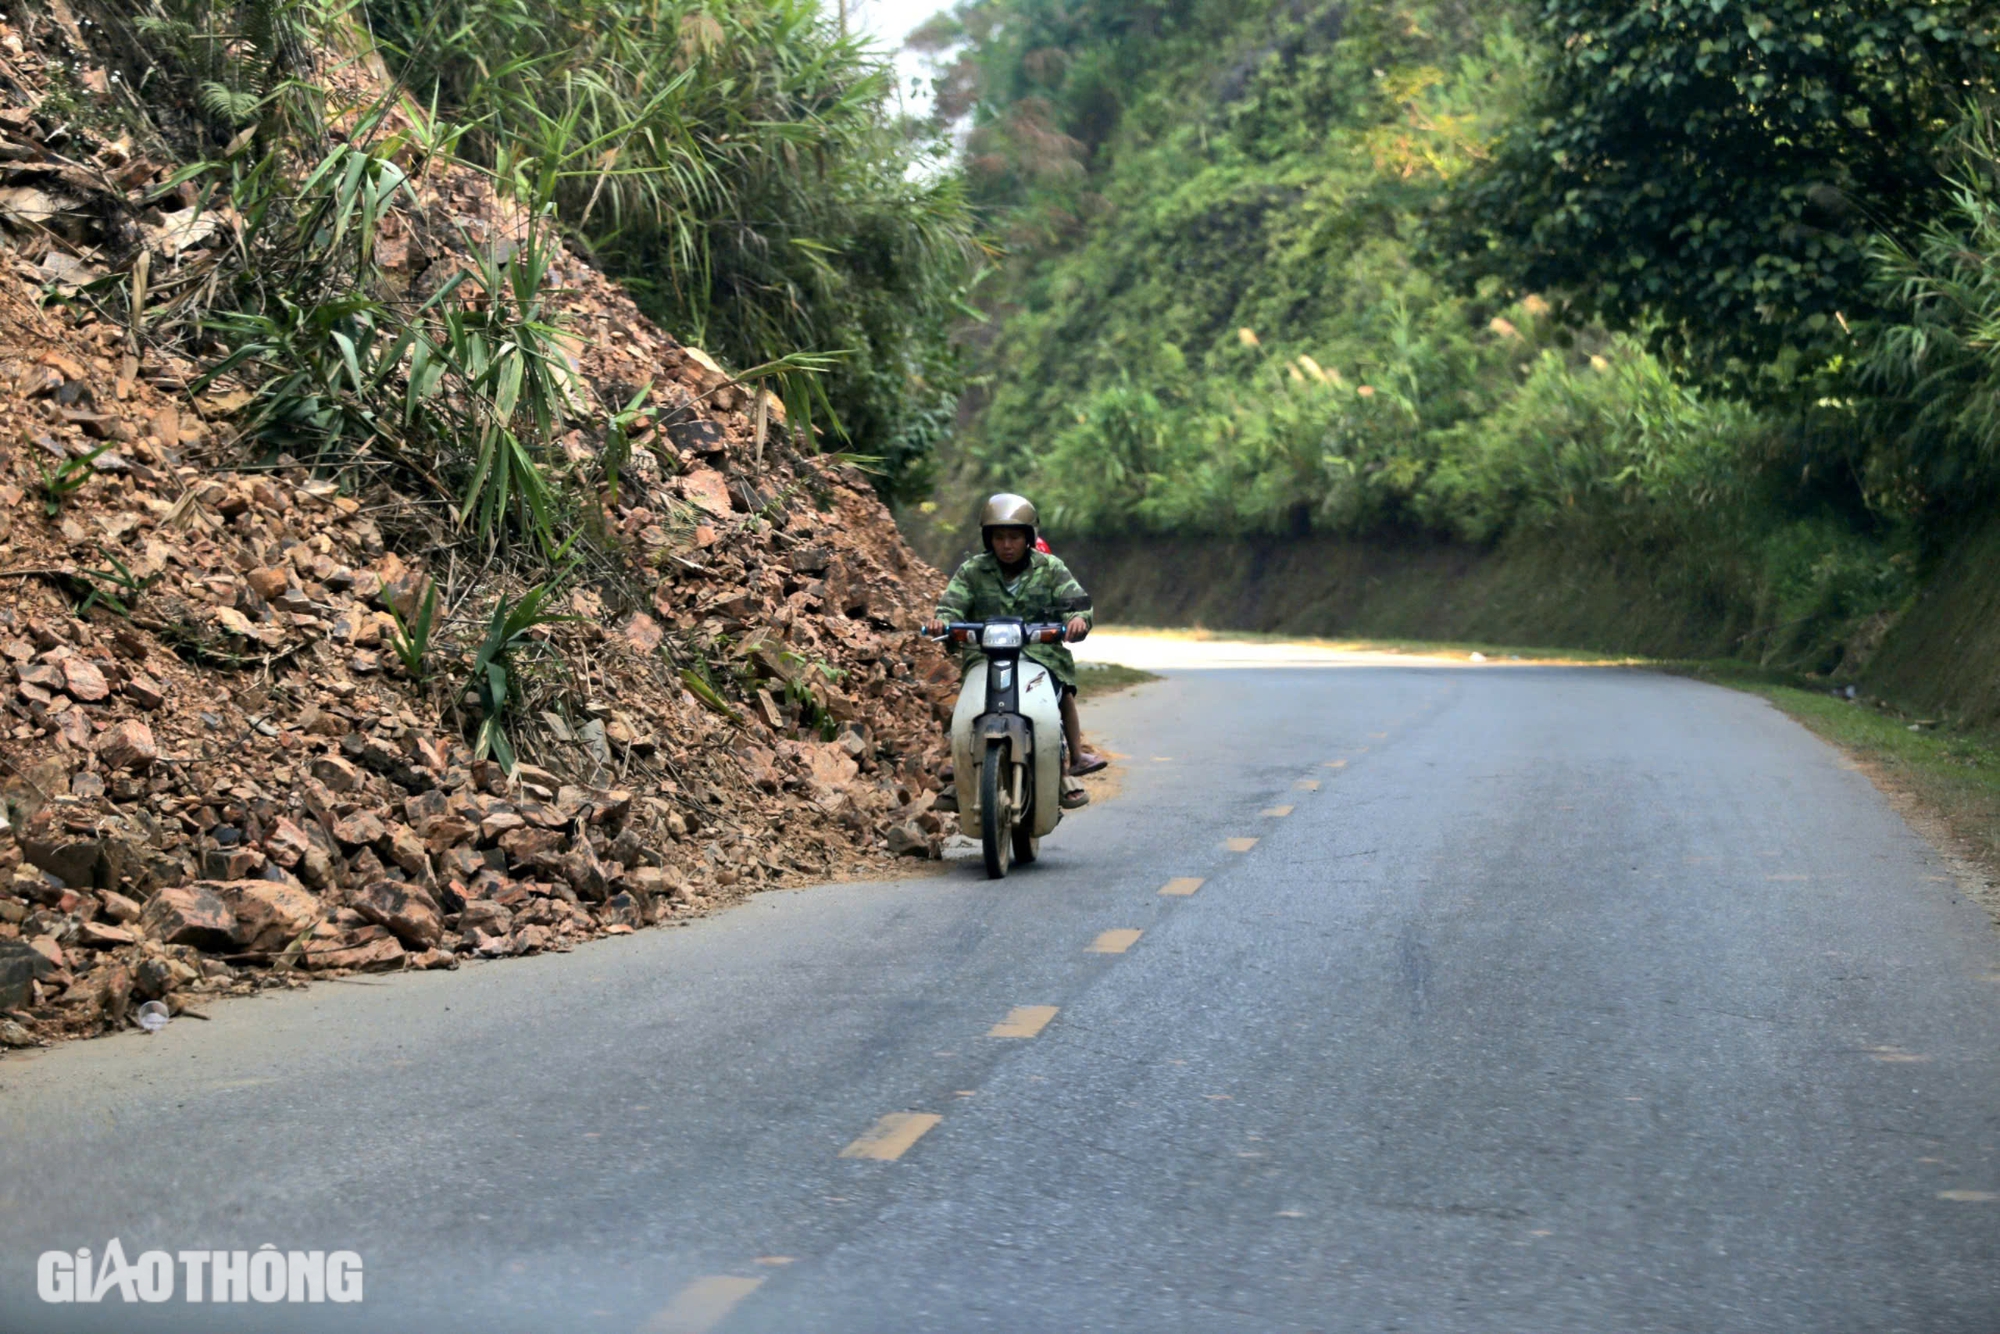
(1387, 996)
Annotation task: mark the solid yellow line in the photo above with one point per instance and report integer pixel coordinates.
(1307, 785)
(1239, 844)
(1183, 886)
(1116, 942)
(701, 1305)
(892, 1136)
(1276, 812)
(1023, 1021)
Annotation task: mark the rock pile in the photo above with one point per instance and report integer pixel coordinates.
(219, 775)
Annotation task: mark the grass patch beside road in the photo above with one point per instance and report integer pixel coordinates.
(1107, 678)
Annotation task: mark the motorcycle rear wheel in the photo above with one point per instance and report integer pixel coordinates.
(996, 812)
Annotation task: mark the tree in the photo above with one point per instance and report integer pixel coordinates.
(1714, 172)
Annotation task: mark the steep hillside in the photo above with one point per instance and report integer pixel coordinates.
(1523, 592)
(1943, 655)
(275, 709)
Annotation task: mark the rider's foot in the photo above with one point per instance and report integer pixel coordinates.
(1074, 795)
(947, 800)
(1087, 761)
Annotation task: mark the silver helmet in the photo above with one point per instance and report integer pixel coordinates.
(1007, 510)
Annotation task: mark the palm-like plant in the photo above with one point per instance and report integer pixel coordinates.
(1936, 361)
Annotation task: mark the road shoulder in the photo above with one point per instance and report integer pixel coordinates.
(1945, 783)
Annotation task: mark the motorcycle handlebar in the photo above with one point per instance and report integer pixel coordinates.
(968, 632)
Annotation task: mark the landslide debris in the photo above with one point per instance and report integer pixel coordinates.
(231, 755)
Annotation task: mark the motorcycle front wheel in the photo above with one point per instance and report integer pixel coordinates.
(996, 812)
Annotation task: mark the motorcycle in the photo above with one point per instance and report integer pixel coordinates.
(1007, 730)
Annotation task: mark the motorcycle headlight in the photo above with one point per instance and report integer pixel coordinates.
(1001, 636)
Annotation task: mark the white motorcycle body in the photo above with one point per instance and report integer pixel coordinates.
(1040, 705)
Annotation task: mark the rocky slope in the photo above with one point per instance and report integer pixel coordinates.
(218, 773)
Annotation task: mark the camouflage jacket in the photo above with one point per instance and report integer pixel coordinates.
(1046, 591)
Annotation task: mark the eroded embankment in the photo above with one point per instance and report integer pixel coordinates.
(1943, 654)
(1518, 593)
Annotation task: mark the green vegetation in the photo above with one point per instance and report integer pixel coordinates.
(1494, 272)
(740, 169)
(510, 635)
(1933, 369)
(66, 479)
(114, 587)
(412, 640)
(1094, 679)
(1717, 174)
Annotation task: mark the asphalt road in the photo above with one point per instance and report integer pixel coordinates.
(1545, 999)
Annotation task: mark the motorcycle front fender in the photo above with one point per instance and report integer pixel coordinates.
(1035, 732)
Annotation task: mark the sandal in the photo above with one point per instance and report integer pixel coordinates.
(1087, 762)
(1074, 796)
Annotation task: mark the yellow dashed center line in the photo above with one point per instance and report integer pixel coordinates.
(1276, 812)
(1182, 886)
(892, 1136)
(1116, 942)
(1307, 785)
(701, 1305)
(1023, 1021)
(1239, 844)
(1335, 764)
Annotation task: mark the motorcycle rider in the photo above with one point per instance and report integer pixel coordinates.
(1012, 577)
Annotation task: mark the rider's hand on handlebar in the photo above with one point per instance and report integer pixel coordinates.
(935, 628)
(1078, 628)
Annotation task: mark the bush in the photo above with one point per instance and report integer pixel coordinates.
(1613, 443)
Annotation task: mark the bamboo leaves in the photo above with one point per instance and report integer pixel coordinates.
(741, 169)
(472, 383)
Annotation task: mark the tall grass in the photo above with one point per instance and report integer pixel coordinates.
(740, 168)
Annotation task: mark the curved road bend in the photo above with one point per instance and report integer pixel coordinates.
(1387, 997)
